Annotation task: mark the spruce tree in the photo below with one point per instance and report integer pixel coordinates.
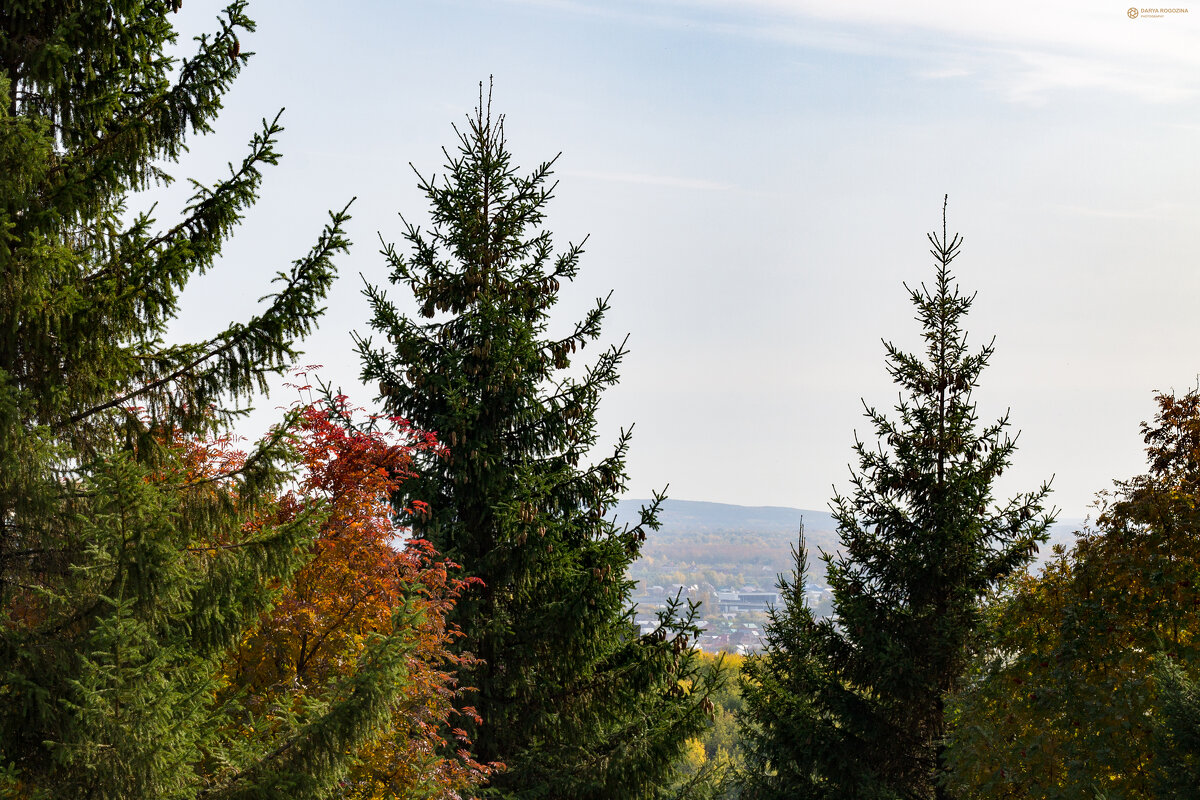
(922, 543)
(570, 698)
(1176, 768)
(125, 578)
(783, 726)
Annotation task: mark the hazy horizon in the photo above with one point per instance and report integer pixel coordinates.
(757, 179)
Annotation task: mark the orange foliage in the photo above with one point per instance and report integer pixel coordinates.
(365, 578)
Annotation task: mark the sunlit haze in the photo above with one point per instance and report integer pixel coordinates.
(757, 179)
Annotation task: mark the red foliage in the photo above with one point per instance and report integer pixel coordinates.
(362, 571)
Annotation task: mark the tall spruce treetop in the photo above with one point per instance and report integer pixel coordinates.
(922, 544)
(573, 701)
(124, 577)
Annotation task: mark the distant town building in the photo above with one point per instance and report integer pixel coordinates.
(735, 602)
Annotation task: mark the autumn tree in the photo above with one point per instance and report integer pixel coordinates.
(116, 608)
(1067, 701)
(713, 759)
(573, 701)
(854, 706)
(365, 578)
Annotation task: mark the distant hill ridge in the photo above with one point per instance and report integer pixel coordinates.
(682, 517)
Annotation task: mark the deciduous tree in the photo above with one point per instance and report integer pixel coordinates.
(1066, 702)
(365, 578)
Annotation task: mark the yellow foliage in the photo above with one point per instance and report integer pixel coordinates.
(694, 755)
(1065, 701)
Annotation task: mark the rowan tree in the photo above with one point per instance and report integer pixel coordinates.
(365, 578)
(854, 706)
(573, 701)
(125, 581)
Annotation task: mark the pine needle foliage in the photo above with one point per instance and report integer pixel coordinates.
(922, 544)
(124, 577)
(570, 698)
(1177, 734)
(783, 724)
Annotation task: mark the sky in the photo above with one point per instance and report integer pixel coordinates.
(756, 179)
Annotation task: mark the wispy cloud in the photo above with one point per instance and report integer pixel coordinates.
(1027, 49)
(1035, 76)
(1161, 211)
(643, 179)
(943, 74)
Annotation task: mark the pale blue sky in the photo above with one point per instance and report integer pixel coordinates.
(757, 177)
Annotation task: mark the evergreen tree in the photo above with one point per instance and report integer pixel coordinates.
(124, 578)
(573, 701)
(922, 543)
(785, 688)
(1177, 734)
